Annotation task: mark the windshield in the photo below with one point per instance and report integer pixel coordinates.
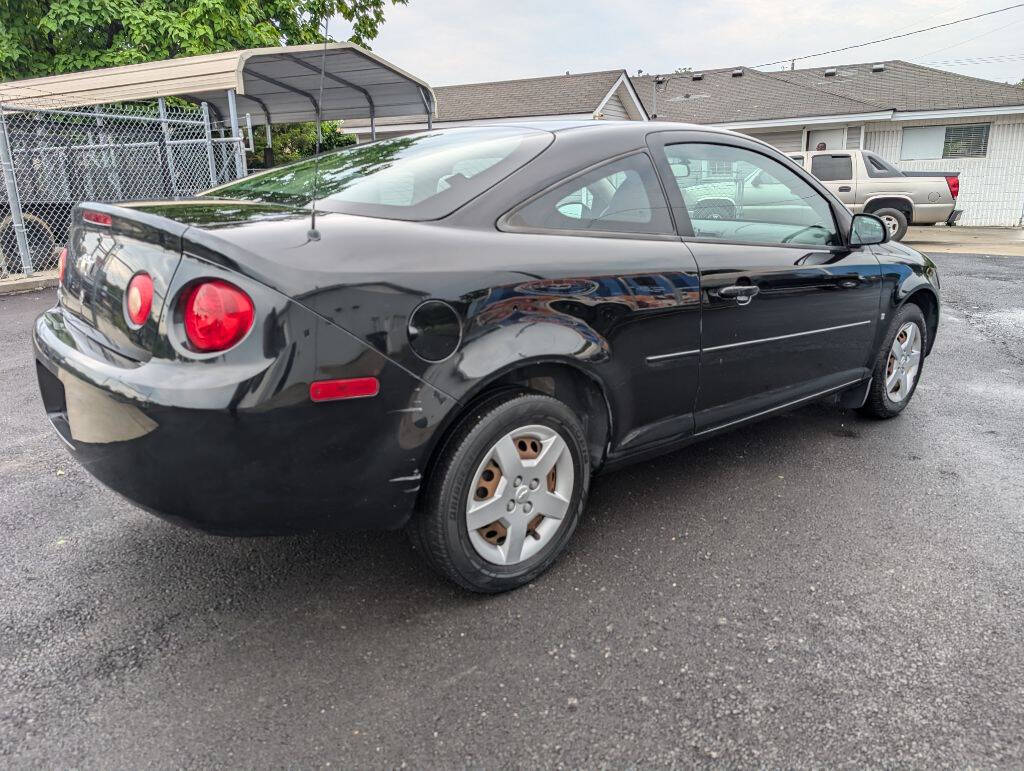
(417, 177)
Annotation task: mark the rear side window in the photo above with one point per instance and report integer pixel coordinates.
(832, 167)
(619, 197)
(418, 177)
(877, 167)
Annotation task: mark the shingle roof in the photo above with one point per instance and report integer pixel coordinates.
(907, 87)
(557, 95)
(554, 95)
(855, 88)
(722, 97)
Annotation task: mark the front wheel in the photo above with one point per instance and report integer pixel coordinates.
(505, 494)
(898, 364)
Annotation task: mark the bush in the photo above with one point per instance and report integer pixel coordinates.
(295, 141)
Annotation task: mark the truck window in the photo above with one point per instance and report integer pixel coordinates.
(828, 168)
(877, 167)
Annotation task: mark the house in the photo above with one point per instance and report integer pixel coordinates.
(918, 118)
(609, 95)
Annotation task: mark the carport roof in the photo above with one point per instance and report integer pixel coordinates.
(283, 82)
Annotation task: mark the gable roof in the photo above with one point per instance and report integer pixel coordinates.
(906, 87)
(555, 95)
(854, 89)
(721, 97)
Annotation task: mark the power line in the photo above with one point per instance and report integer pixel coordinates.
(892, 37)
(998, 59)
(1000, 28)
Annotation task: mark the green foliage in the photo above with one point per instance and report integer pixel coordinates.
(295, 141)
(49, 37)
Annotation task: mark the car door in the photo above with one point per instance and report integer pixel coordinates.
(835, 171)
(619, 276)
(788, 309)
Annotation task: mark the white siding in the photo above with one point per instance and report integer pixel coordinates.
(614, 109)
(786, 141)
(991, 188)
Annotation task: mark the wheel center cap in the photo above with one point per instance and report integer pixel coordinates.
(522, 493)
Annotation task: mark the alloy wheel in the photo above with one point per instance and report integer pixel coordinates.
(903, 363)
(521, 494)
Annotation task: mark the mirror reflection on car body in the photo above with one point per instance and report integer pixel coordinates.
(490, 317)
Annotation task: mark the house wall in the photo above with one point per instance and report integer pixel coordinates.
(991, 188)
(786, 141)
(614, 109)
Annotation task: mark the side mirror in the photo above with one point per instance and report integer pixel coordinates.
(867, 229)
(680, 170)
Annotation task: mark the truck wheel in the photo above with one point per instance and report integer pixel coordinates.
(895, 221)
(506, 493)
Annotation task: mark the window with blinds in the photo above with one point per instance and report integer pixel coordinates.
(966, 141)
(963, 141)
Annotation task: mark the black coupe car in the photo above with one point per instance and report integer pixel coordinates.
(478, 320)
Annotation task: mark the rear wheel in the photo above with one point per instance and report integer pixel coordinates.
(506, 493)
(895, 222)
(898, 364)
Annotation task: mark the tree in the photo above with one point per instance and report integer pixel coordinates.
(48, 37)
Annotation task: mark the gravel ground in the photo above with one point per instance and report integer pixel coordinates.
(817, 589)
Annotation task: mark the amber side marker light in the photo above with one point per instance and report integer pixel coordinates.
(346, 388)
(62, 264)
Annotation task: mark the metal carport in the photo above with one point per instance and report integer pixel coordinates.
(272, 85)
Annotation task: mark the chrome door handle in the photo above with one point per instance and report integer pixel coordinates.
(743, 293)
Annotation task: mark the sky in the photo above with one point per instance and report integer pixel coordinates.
(469, 41)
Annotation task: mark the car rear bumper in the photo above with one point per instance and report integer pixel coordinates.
(954, 216)
(203, 453)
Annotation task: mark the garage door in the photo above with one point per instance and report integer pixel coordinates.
(787, 141)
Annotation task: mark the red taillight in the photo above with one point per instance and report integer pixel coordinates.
(62, 264)
(347, 388)
(97, 218)
(217, 315)
(954, 186)
(138, 298)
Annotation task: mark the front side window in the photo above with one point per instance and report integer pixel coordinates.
(933, 142)
(757, 200)
(417, 177)
(622, 196)
(832, 168)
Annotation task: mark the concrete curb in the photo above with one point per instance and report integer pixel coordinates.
(44, 279)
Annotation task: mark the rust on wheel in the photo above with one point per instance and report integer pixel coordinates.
(528, 448)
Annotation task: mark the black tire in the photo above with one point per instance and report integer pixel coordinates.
(439, 530)
(900, 220)
(878, 404)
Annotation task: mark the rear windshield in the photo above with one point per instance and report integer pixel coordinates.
(417, 177)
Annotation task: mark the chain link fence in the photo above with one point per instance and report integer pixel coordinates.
(52, 158)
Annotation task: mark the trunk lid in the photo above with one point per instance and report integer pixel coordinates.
(102, 259)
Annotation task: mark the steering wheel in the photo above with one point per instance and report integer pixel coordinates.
(794, 234)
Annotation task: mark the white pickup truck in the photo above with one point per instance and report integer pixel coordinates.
(867, 183)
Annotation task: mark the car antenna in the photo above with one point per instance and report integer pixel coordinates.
(314, 234)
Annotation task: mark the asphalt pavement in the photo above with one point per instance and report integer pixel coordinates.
(816, 589)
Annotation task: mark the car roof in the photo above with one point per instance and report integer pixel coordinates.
(556, 125)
